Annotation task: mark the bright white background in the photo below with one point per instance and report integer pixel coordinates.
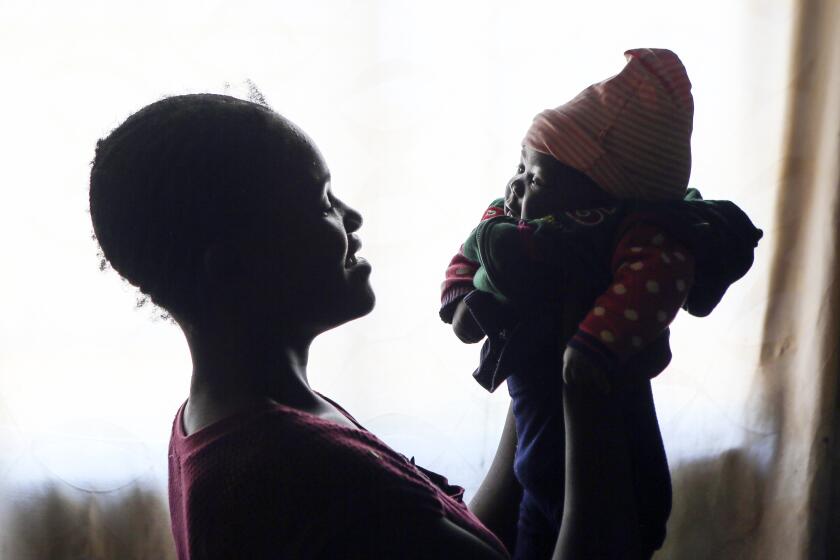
(419, 108)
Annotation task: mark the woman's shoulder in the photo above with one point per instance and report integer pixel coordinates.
(281, 444)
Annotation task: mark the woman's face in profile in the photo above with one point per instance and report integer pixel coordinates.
(303, 252)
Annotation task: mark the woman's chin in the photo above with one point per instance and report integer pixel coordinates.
(366, 301)
(357, 304)
(354, 310)
(362, 299)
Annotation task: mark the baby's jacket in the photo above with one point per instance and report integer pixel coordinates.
(606, 281)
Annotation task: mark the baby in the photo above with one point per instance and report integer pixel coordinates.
(583, 265)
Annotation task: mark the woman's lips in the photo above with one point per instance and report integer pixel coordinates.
(357, 265)
(354, 261)
(353, 246)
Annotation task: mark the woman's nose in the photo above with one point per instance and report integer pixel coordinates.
(352, 219)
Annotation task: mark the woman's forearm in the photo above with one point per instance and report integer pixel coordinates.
(496, 503)
(600, 519)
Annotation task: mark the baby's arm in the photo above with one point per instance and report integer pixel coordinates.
(652, 274)
(458, 283)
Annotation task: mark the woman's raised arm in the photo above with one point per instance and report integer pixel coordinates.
(496, 503)
(600, 519)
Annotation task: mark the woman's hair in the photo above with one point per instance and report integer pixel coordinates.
(175, 177)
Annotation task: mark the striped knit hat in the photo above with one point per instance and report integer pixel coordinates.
(631, 133)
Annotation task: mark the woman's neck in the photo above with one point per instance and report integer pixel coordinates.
(233, 366)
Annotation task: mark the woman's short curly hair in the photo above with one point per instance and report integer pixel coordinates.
(173, 178)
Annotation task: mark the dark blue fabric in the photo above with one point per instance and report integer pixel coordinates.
(536, 533)
(515, 341)
(540, 464)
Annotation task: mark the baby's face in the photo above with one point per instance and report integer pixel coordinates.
(542, 186)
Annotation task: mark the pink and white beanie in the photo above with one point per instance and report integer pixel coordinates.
(631, 133)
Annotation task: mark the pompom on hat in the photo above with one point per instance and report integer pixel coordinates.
(631, 133)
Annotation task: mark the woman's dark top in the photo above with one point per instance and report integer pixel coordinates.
(276, 482)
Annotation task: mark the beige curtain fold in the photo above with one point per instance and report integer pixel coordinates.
(58, 522)
(778, 495)
(799, 357)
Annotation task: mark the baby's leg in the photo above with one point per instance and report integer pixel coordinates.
(536, 533)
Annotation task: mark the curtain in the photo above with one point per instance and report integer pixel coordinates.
(799, 358)
(777, 495)
(419, 109)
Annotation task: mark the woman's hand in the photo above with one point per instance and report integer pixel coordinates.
(464, 325)
(578, 370)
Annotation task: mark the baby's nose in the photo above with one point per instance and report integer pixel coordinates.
(517, 187)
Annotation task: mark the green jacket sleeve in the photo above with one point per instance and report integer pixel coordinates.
(512, 256)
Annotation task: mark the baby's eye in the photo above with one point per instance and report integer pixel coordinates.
(520, 169)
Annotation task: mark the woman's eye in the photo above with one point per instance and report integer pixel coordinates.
(536, 182)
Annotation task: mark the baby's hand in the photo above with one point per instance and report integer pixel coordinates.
(580, 371)
(464, 325)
